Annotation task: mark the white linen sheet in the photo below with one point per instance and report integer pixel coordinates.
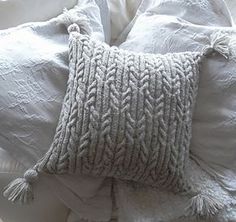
(115, 33)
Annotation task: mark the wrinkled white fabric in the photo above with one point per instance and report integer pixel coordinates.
(215, 14)
(33, 77)
(67, 194)
(142, 203)
(34, 70)
(16, 12)
(232, 8)
(122, 12)
(120, 31)
(120, 21)
(88, 198)
(105, 18)
(46, 208)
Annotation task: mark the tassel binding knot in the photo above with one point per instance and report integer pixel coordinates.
(21, 190)
(219, 42)
(74, 20)
(73, 28)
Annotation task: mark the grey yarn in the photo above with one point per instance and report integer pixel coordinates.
(126, 115)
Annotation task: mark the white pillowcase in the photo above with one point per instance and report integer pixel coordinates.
(33, 77)
(32, 86)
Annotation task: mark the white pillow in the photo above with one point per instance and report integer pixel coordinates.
(176, 26)
(16, 12)
(33, 74)
(120, 27)
(33, 77)
(32, 86)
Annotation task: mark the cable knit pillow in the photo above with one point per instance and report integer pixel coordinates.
(125, 115)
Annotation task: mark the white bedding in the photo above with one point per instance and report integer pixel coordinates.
(47, 208)
(15, 12)
(33, 84)
(47, 10)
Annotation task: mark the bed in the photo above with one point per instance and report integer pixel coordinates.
(49, 206)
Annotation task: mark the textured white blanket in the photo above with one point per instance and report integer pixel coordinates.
(131, 205)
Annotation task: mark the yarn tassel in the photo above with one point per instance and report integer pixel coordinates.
(219, 42)
(74, 16)
(20, 190)
(203, 206)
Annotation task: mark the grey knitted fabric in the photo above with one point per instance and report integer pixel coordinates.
(126, 115)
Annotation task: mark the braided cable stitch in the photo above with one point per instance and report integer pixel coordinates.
(125, 115)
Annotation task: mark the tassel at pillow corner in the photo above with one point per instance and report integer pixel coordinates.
(125, 115)
(21, 190)
(74, 16)
(219, 42)
(203, 205)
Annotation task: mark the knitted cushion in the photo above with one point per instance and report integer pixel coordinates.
(125, 115)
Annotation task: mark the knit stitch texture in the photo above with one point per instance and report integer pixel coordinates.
(126, 115)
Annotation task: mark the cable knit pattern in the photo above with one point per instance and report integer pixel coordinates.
(126, 115)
